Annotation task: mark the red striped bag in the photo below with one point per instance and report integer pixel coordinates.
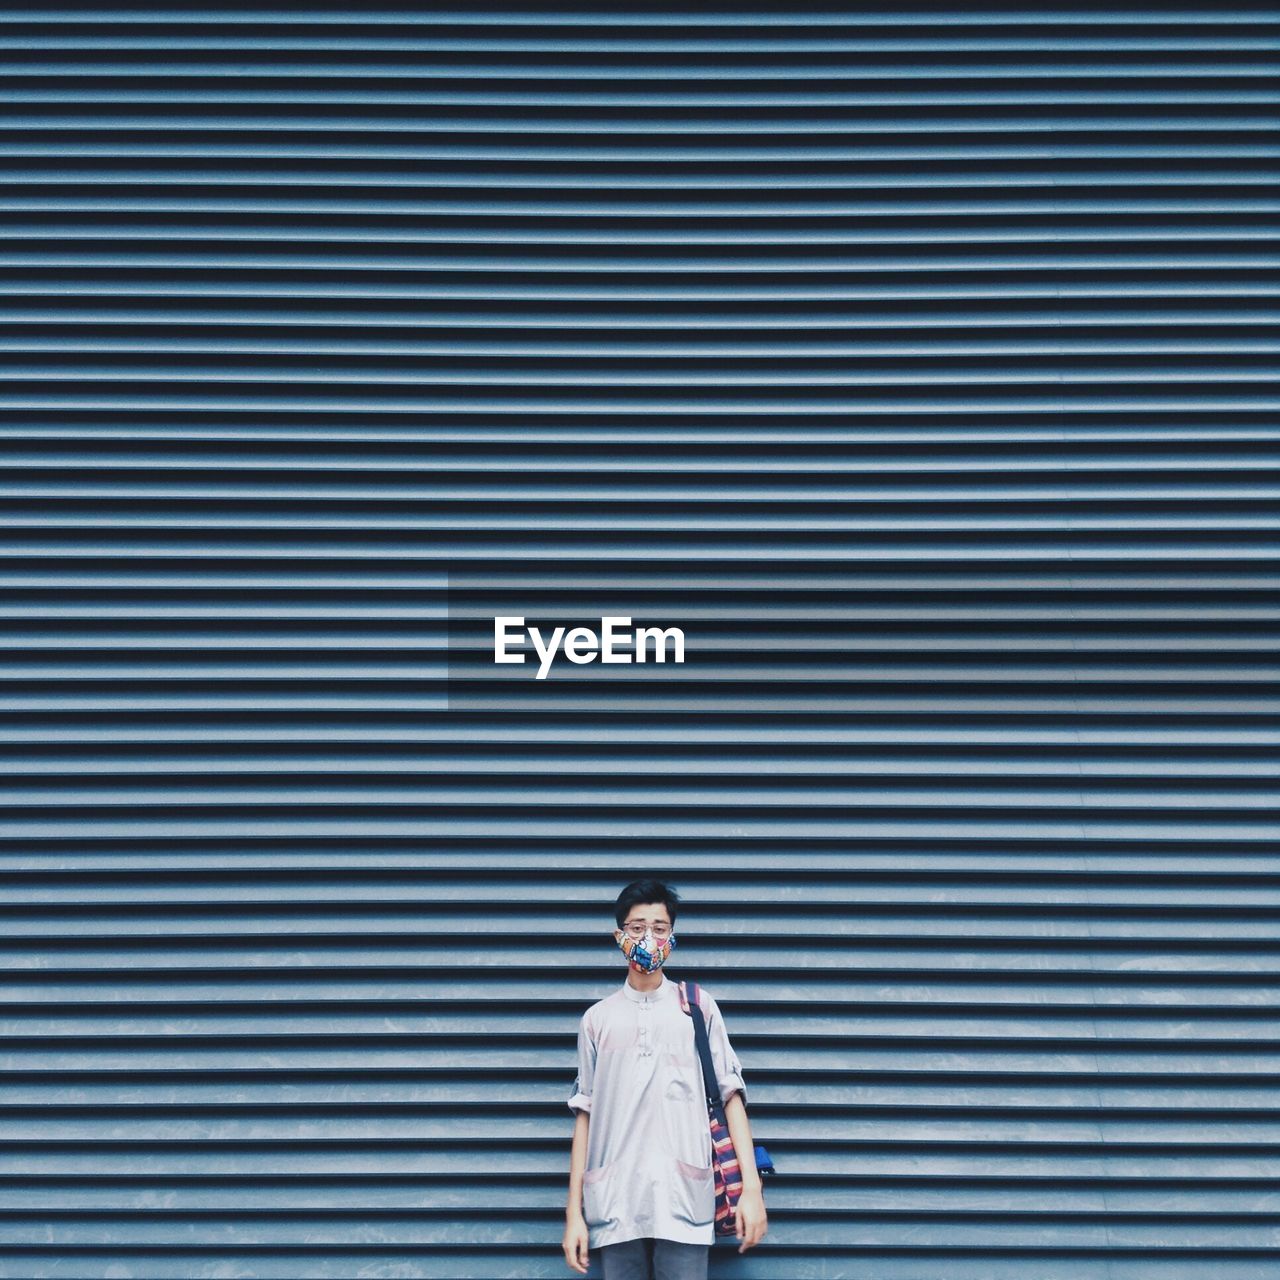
(724, 1159)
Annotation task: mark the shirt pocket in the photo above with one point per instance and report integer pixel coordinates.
(694, 1194)
(682, 1077)
(600, 1207)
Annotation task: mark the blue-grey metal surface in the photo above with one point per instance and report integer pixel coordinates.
(919, 361)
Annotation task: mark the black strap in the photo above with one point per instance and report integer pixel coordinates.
(714, 1103)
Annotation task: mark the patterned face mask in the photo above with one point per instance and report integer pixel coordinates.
(646, 954)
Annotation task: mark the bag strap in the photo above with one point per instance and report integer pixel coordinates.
(691, 1003)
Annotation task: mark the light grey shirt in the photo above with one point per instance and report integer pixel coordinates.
(649, 1147)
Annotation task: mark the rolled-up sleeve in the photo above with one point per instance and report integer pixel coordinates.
(723, 1058)
(581, 1099)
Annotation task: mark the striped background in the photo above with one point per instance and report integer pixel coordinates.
(918, 360)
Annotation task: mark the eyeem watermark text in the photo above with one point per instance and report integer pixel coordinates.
(614, 642)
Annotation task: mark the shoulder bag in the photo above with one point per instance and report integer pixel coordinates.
(724, 1159)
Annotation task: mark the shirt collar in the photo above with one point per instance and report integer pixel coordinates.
(648, 997)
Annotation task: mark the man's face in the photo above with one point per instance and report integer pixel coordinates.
(646, 918)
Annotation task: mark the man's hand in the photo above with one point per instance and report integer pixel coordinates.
(750, 1219)
(575, 1241)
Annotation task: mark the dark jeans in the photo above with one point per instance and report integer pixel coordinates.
(648, 1259)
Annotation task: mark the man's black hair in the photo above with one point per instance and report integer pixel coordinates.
(639, 891)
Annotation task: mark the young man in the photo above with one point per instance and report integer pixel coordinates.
(640, 1177)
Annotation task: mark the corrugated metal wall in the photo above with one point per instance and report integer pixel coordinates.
(919, 361)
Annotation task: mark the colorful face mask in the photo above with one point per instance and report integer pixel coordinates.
(646, 954)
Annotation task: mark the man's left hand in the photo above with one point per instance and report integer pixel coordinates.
(750, 1219)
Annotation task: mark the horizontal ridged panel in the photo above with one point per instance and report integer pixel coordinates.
(920, 363)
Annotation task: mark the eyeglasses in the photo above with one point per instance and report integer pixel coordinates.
(636, 929)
